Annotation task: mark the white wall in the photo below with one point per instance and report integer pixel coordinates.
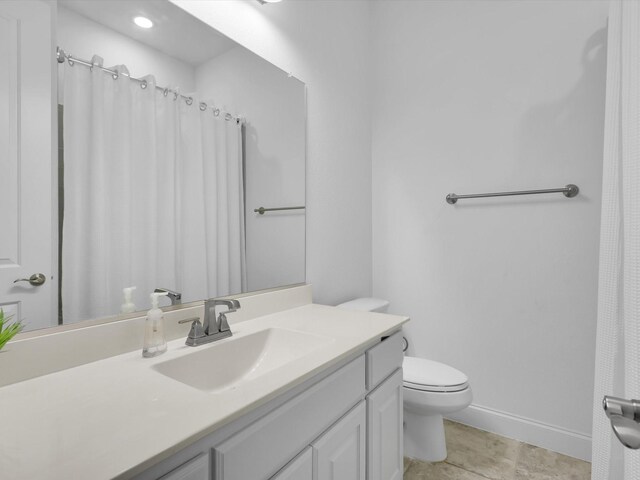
(475, 96)
(274, 107)
(326, 45)
(84, 38)
(468, 97)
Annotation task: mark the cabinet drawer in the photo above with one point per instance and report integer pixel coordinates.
(264, 447)
(384, 359)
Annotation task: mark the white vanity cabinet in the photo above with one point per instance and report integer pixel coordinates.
(343, 424)
(260, 450)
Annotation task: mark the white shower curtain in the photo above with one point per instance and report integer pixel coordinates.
(618, 332)
(153, 195)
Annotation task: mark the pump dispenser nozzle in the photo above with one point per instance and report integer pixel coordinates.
(128, 306)
(154, 298)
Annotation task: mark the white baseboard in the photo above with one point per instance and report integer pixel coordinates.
(567, 442)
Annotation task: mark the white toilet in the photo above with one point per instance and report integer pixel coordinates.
(431, 390)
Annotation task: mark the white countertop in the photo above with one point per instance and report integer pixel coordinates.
(117, 416)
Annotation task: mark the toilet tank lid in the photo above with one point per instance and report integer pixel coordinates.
(365, 304)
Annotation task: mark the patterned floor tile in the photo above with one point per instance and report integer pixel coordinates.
(536, 463)
(483, 453)
(407, 463)
(438, 471)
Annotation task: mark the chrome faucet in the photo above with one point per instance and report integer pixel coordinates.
(175, 297)
(211, 329)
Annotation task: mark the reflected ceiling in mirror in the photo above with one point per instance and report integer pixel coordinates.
(170, 141)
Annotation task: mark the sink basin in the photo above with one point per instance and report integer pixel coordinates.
(221, 366)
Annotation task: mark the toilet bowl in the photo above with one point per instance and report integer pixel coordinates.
(430, 390)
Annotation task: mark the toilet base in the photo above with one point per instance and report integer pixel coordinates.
(424, 437)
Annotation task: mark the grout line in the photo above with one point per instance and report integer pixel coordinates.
(466, 470)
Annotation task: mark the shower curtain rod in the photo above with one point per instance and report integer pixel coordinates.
(61, 56)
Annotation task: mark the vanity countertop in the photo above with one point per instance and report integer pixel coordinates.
(114, 418)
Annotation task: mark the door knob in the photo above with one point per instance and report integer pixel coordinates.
(625, 417)
(35, 280)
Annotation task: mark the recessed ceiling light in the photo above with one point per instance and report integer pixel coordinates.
(143, 22)
(269, 1)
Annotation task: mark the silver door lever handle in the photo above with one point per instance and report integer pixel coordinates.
(35, 280)
(625, 419)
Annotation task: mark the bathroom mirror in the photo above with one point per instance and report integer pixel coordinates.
(177, 161)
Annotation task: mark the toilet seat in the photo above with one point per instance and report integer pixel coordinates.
(430, 376)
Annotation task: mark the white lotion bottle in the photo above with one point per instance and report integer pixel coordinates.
(128, 306)
(155, 342)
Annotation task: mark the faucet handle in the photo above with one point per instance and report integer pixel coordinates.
(196, 331)
(223, 325)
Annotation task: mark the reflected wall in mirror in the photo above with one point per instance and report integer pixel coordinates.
(168, 139)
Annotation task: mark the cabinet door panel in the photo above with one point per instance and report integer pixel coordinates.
(384, 430)
(340, 453)
(299, 469)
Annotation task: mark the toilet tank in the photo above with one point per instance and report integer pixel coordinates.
(366, 305)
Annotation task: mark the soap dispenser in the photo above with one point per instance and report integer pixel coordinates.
(154, 341)
(128, 306)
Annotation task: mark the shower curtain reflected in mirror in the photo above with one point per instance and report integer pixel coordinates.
(153, 195)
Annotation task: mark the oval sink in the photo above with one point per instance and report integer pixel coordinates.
(223, 365)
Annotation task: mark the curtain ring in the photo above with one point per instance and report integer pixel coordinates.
(228, 116)
(115, 75)
(70, 60)
(165, 92)
(189, 101)
(203, 106)
(175, 96)
(143, 84)
(216, 112)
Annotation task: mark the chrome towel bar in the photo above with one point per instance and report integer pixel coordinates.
(568, 191)
(261, 210)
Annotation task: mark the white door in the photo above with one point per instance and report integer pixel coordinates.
(27, 144)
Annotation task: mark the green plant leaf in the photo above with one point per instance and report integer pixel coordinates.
(8, 329)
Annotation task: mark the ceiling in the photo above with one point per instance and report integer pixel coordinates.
(169, 33)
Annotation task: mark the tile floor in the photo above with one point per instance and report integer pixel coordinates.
(477, 455)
